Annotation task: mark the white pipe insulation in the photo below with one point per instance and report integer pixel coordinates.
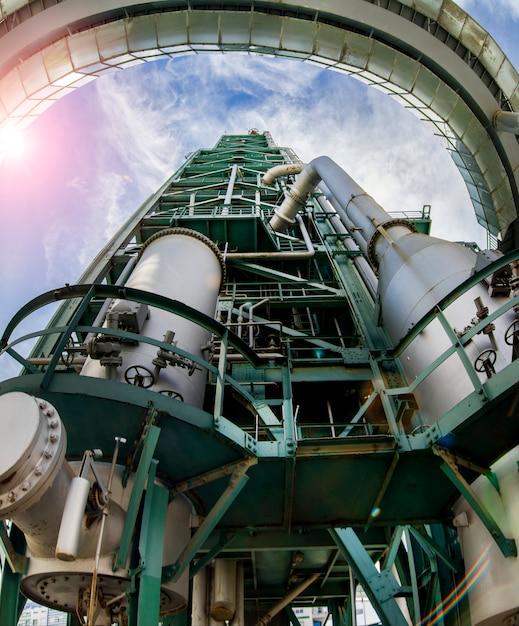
(415, 270)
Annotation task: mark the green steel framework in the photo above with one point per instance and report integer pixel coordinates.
(302, 461)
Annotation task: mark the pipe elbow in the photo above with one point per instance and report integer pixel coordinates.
(306, 182)
(281, 170)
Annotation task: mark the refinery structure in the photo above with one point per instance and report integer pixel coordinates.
(266, 393)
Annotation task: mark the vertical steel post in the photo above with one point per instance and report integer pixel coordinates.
(11, 602)
(151, 546)
(380, 587)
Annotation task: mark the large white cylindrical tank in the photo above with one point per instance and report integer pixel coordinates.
(35, 480)
(417, 272)
(183, 265)
(494, 595)
(59, 584)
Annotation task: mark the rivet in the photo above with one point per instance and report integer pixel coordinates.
(11, 496)
(47, 454)
(53, 438)
(42, 404)
(38, 470)
(53, 424)
(49, 412)
(25, 486)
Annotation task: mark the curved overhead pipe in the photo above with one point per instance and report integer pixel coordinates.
(370, 222)
(281, 170)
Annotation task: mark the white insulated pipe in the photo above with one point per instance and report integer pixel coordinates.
(239, 613)
(199, 599)
(72, 519)
(267, 618)
(224, 590)
(367, 217)
(506, 121)
(415, 270)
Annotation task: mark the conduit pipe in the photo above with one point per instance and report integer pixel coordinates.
(415, 271)
(365, 270)
(281, 170)
(267, 618)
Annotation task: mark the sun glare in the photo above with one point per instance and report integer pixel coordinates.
(13, 143)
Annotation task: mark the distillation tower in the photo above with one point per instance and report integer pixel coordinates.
(262, 393)
(265, 392)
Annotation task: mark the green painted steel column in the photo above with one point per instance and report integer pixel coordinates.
(151, 546)
(380, 587)
(135, 499)
(11, 602)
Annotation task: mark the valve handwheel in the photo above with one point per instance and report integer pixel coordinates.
(139, 375)
(486, 358)
(512, 333)
(172, 394)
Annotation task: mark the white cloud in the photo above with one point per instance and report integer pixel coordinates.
(151, 116)
(499, 8)
(187, 102)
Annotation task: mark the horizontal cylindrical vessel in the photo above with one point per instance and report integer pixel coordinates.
(59, 584)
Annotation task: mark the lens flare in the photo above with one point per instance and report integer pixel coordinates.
(13, 142)
(456, 595)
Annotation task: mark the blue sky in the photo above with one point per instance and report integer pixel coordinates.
(95, 155)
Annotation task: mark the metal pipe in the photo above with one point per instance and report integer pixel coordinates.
(99, 319)
(332, 209)
(371, 223)
(93, 588)
(266, 619)
(251, 319)
(506, 121)
(281, 170)
(279, 256)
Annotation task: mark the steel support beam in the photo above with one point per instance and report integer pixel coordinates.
(141, 476)
(17, 562)
(380, 587)
(11, 601)
(151, 547)
(238, 481)
(507, 546)
(225, 540)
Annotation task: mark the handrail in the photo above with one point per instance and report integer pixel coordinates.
(86, 292)
(127, 293)
(451, 297)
